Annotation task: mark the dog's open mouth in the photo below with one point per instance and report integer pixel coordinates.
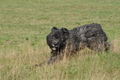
(54, 48)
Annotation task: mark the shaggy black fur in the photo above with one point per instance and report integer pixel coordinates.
(66, 42)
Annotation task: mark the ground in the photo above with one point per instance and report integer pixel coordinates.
(24, 25)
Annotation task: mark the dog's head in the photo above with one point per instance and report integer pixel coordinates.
(57, 38)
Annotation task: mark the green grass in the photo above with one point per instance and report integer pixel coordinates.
(24, 25)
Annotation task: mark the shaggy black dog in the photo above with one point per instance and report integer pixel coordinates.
(66, 42)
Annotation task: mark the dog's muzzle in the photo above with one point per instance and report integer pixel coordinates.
(54, 47)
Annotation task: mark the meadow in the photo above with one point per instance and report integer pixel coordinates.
(24, 25)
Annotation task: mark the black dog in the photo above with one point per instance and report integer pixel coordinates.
(66, 42)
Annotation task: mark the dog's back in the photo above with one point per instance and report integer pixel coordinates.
(89, 30)
(91, 34)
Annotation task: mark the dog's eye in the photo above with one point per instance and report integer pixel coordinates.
(53, 37)
(57, 37)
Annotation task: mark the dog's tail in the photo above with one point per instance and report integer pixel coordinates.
(109, 46)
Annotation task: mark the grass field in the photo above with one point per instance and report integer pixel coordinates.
(24, 25)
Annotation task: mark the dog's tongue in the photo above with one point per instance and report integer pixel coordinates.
(53, 48)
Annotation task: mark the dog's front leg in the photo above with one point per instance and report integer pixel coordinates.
(52, 59)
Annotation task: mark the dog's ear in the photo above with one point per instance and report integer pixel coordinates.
(65, 31)
(54, 28)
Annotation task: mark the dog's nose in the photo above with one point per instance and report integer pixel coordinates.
(55, 44)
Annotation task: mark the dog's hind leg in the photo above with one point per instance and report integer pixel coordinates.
(96, 47)
(104, 46)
